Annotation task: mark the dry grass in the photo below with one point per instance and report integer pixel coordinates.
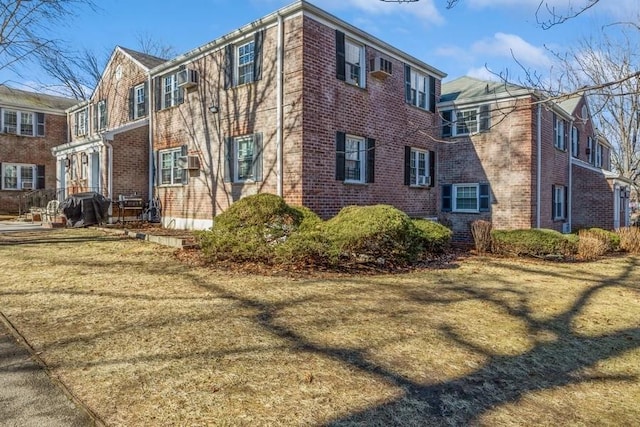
(146, 340)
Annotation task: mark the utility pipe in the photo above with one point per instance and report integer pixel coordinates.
(538, 163)
(279, 108)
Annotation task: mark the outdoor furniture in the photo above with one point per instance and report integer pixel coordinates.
(51, 212)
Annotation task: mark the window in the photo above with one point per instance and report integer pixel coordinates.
(171, 92)
(243, 61)
(100, 116)
(349, 60)
(575, 141)
(559, 202)
(467, 121)
(171, 172)
(559, 133)
(419, 167)
(590, 152)
(466, 198)
(22, 123)
(599, 153)
(417, 86)
(84, 165)
(18, 176)
(140, 109)
(243, 156)
(355, 158)
(81, 122)
(73, 167)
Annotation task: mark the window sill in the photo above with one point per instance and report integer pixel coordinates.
(420, 187)
(357, 86)
(170, 185)
(425, 110)
(356, 183)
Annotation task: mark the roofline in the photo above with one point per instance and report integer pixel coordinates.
(48, 110)
(118, 48)
(300, 6)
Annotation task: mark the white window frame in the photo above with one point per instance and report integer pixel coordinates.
(19, 180)
(558, 202)
(357, 78)
(244, 60)
(170, 91)
(454, 197)
(558, 134)
(599, 155)
(355, 150)
(175, 166)
(419, 89)
(238, 141)
(21, 118)
(139, 101)
(419, 160)
(101, 115)
(574, 141)
(591, 150)
(82, 122)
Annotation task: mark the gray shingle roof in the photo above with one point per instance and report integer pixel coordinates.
(33, 100)
(470, 87)
(149, 61)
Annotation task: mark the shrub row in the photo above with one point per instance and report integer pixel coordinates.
(263, 228)
(586, 245)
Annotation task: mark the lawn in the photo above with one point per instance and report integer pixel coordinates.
(145, 339)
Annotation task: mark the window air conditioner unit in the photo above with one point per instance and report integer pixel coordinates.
(187, 78)
(424, 180)
(10, 129)
(566, 228)
(27, 185)
(190, 162)
(380, 67)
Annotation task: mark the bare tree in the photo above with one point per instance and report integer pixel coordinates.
(25, 28)
(610, 65)
(152, 46)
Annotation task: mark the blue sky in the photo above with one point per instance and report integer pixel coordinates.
(465, 40)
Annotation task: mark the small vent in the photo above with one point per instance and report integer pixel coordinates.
(381, 67)
(27, 185)
(10, 129)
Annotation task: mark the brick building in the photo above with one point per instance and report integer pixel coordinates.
(108, 149)
(513, 159)
(31, 124)
(299, 104)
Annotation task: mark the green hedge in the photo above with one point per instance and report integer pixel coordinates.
(534, 242)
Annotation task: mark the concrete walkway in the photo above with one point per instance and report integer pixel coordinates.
(20, 226)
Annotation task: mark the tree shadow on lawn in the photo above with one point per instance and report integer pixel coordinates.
(502, 379)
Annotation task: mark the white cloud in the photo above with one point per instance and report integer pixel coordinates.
(511, 46)
(483, 73)
(424, 9)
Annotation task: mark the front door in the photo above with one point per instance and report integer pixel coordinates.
(94, 180)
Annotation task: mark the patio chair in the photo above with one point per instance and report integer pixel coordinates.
(51, 212)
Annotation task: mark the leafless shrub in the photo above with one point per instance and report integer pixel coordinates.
(481, 231)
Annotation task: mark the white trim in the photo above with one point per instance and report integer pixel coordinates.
(454, 188)
(178, 223)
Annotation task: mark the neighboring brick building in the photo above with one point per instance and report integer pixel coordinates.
(519, 162)
(31, 125)
(299, 104)
(108, 149)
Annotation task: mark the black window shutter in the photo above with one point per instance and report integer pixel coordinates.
(446, 123)
(566, 134)
(257, 159)
(40, 121)
(96, 125)
(553, 202)
(340, 56)
(158, 92)
(555, 129)
(407, 84)
(155, 172)
(446, 198)
(228, 66)
(432, 94)
(184, 151)
(371, 159)
(180, 99)
(132, 103)
(566, 204)
(257, 55)
(228, 160)
(485, 198)
(485, 122)
(407, 165)
(40, 181)
(341, 139)
(432, 168)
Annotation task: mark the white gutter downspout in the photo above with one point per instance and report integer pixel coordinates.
(151, 156)
(538, 163)
(279, 107)
(569, 189)
(109, 172)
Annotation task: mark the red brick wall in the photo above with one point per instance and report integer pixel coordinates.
(32, 150)
(377, 112)
(131, 163)
(593, 199)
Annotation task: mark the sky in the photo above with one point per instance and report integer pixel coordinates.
(478, 38)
